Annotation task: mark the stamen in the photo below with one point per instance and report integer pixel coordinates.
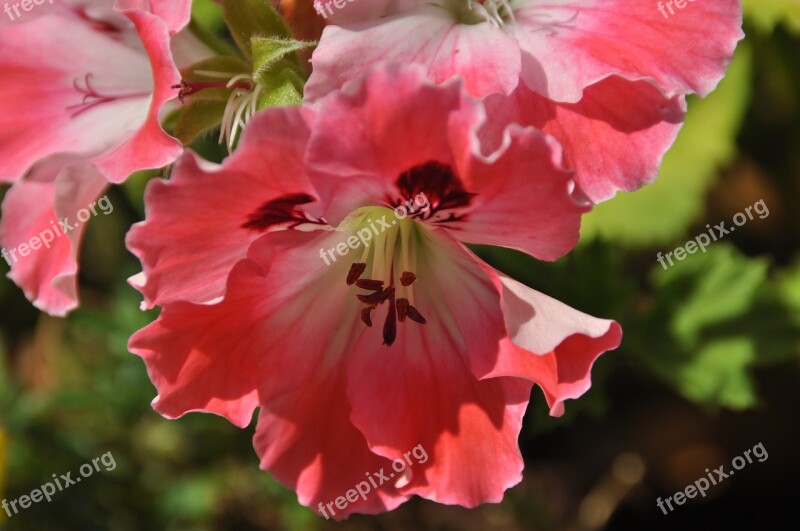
(356, 270)
(390, 325)
(415, 316)
(366, 315)
(369, 284)
(402, 309)
(407, 278)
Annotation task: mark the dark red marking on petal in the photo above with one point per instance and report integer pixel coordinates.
(440, 185)
(280, 211)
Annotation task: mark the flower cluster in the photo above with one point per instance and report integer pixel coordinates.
(510, 117)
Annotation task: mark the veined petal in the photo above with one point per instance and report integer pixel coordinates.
(48, 62)
(306, 440)
(572, 44)
(149, 146)
(420, 391)
(486, 58)
(206, 210)
(614, 137)
(228, 357)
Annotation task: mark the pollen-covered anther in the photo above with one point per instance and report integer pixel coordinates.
(405, 309)
(369, 284)
(356, 270)
(407, 278)
(366, 315)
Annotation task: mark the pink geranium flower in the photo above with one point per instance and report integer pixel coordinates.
(604, 77)
(356, 349)
(83, 91)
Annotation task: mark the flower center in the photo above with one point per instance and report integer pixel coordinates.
(472, 12)
(389, 255)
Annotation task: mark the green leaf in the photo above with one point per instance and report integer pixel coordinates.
(197, 118)
(268, 52)
(663, 211)
(714, 317)
(766, 14)
(717, 375)
(253, 18)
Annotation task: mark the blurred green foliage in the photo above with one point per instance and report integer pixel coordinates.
(70, 391)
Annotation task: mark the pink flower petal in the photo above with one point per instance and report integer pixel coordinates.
(44, 61)
(421, 391)
(175, 13)
(548, 343)
(150, 146)
(228, 357)
(206, 210)
(32, 211)
(306, 440)
(489, 61)
(614, 138)
(573, 44)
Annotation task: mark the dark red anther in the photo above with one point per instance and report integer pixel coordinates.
(372, 285)
(356, 270)
(372, 299)
(387, 294)
(402, 309)
(415, 316)
(390, 325)
(407, 278)
(366, 315)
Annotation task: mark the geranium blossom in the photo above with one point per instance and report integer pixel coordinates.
(605, 77)
(81, 99)
(411, 340)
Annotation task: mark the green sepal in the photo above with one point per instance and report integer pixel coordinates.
(269, 52)
(253, 18)
(281, 90)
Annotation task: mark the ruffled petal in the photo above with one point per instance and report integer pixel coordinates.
(228, 357)
(522, 194)
(306, 440)
(395, 119)
(570, 45)
(548, 343)
(149, 146)
(45, 62)
(487, 59)
(420, 391)
(614, 137)
(45, 252)
(213, 206)
(174, 13)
